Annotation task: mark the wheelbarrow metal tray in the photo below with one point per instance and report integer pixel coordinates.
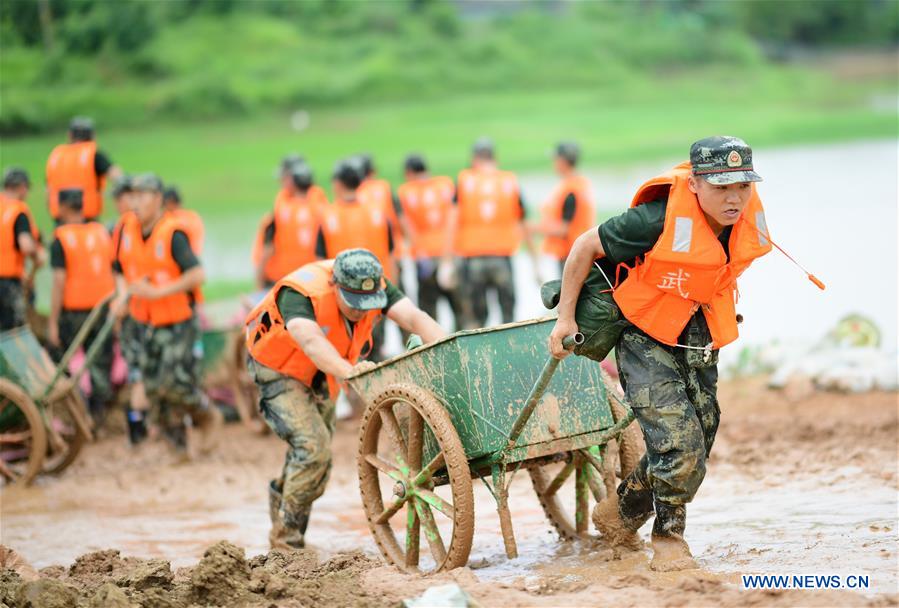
(483, 378)
(24, 361)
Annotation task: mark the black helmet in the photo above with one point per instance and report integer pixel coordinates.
(349, 173)
(302, 176)
(415, 163)
(14, 177)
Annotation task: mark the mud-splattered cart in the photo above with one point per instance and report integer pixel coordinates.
(485, 404)
(43, 419)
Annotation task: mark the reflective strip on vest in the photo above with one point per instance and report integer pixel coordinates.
(762, 226)
(683, 234)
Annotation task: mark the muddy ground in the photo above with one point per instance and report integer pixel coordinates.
(798, 483)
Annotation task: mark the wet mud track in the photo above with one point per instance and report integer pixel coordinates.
(795, 486)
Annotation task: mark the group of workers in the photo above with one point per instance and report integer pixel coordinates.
(331, 274)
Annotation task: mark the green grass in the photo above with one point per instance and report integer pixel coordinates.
(225, 169)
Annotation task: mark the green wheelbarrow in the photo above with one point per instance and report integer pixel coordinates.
(43, 419)
(484, 404)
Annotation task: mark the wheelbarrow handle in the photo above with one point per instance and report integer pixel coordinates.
(549, 368)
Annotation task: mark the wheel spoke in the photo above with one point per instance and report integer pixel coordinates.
(432, 532)
(436, 501)
(596, 488)
(413, 535)
(390, 511)
(19, 437)
(416, 436)
(559, 479)
(385, 467)
(392, 428)
(7, 472)
(436, 463)
(582, 496)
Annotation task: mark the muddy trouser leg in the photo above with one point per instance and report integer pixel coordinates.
(504, 282)
(474, 292)
(171, 373)
(306, 422)
(428, 289)
(676, 408)
(70, 322)
(132, 336)
(12, 304)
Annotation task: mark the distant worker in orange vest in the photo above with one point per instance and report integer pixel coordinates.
(120, 192)
(427, 205)
(570, 209)
(489, 228)
(289, 239)
(348, 224)
(81, 257)
(376, 191)
(19, 241)
(78, 164)
(189, 219)
(689, 234)
(159, 268)
(304, 339)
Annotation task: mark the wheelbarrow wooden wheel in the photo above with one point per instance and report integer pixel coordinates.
(401, 427)
(69, 430)
(568, 489)
(23, 440)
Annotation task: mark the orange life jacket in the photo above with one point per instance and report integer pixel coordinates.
(426, 204)
(153, 259)
(269, 342)
(489, 213)
(377, 194)
(12, 262)
(270, 271)
(296, 228)
(72, 166)
(128, 254)
(88, 254)
(347, 225)
(316, 195)
(192, 224)
(584, 214)
(688, 268)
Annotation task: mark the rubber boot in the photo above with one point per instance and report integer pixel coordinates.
(670, 550)
(97, 410)
(137, 428)
(284, 536)
(203, 433)
(620, 515)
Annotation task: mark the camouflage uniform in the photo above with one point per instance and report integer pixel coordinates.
(480, 274)
(70, 321)
(430, 291)
(673, 394)
(170, 367)
(305, 419)
(12, 304)
(131, 341)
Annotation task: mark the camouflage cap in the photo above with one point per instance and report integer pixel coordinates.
(120, 186)
(483, 147)
(146, 182)
(82, 123)
(290, 160)
(348, 172)
(302, 176)
(568, 150)
(15, 176)
(723, 160)
(360, 277)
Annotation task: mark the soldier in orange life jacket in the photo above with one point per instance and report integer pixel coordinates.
(288, 240)
(569, 210)
(348, 224)
(488, 227)
(303, 340)
(19, 241)
(377, 193)
(81, 257)
(80, 165)
(686, 238)
(427, 204)
(162, 273)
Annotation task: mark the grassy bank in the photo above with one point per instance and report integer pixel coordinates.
(225, 169)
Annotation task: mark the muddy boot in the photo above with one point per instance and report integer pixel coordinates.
(203, 431)
(137, 427)
(619, 534)
(670, 550)
(284, 536)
